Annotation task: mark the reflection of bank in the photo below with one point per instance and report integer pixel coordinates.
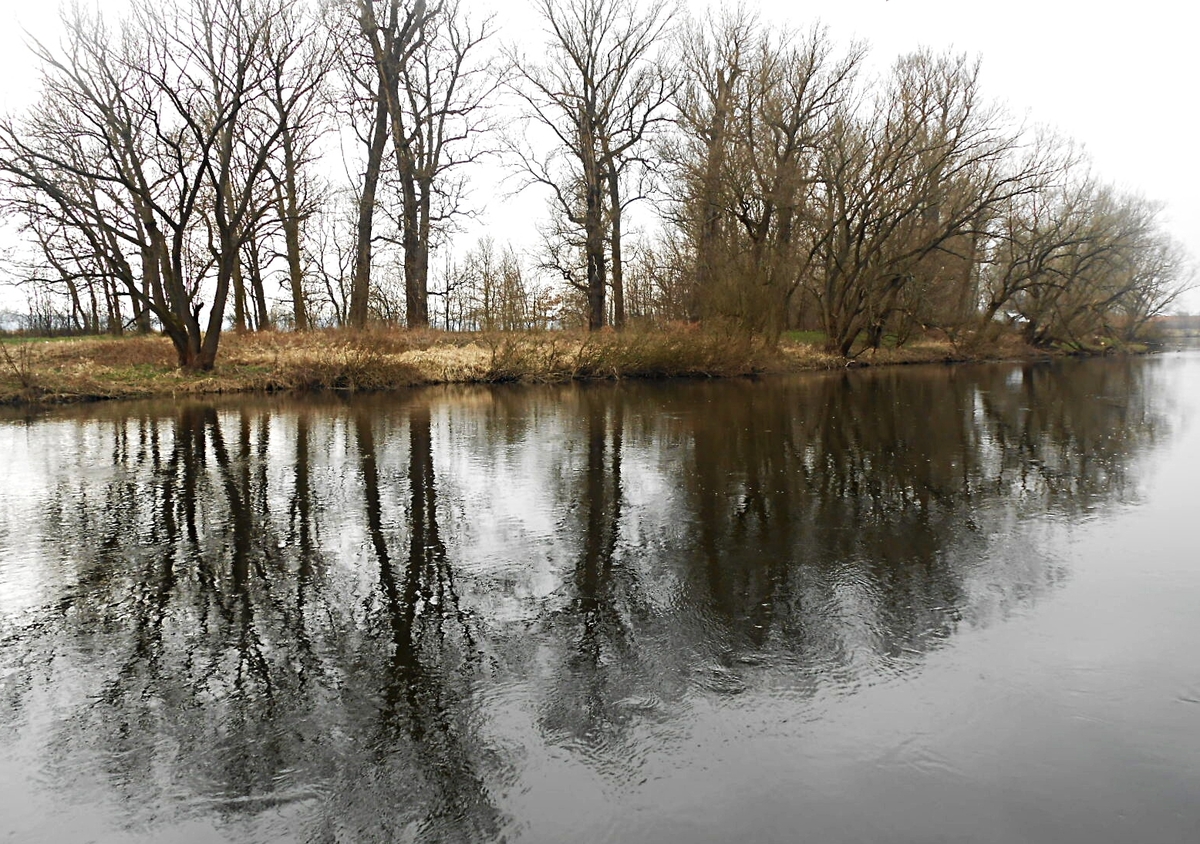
(602, 623)
(823, 513)
(219, 655)
(163, 622)
(853, 518)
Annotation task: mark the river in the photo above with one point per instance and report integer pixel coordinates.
(912, 604)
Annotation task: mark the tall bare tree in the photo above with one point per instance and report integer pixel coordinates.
(899, 185)
(299, 60)
(434, 82)
(391, 31)
(715, 53)
(755, 110)
(162, 113)
(1084, 264)
(366, 107)
(599, 93)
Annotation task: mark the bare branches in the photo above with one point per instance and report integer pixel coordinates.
(601, 92)
(176, 161)
(432, 81)
(157, 138)
(756, 111)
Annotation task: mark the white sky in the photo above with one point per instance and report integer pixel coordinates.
(1123, 79)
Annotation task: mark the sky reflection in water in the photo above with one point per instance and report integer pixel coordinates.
(860, 606)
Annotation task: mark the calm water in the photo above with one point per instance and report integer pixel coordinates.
(918, 605)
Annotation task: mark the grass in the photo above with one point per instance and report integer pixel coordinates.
(815, 338)
(555, 356)
(378, 359)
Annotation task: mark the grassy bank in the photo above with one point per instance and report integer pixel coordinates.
(85, 369)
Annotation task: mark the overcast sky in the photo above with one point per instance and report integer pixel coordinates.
(1123, 79)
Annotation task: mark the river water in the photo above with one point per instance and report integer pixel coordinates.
(919, 604)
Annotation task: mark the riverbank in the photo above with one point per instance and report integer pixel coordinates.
(96, 368)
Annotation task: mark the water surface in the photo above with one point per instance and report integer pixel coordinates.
(911, 605)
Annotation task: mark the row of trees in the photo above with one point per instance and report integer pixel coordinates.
(907, 204)
(180, 164)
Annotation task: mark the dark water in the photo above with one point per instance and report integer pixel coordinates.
(917, 605)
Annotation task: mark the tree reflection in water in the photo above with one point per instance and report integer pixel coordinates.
(429, 785)
(283, 614)
(599, 664)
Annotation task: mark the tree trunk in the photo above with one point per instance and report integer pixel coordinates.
(617, 267)
(594, 248)
(360, 287)
(239, 298)
(204, 356)
(416, 248)
(258, 293)
(112, 301)
(289, 214)
(710, 211)
(141, 298)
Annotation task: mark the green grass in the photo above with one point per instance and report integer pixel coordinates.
(21, 339)
(814, 338)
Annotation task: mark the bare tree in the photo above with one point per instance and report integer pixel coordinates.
(1163, 273)
(206, 63)
(1084, 265)
(1030, 231)
(449, 84)
(901, 184)
(599, 93)
(74, 254)
(366, 93)
(299, 59)
(755, 111)
(393, 31)
(487, 290)
(329, 259)
(434, 84)
(715, 54)
(163, 113)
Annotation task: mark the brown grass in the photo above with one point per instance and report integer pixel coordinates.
(387, 359)
(633, 354)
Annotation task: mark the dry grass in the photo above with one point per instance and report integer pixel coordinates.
(681, 352)
(388, 359)
(804, 355)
